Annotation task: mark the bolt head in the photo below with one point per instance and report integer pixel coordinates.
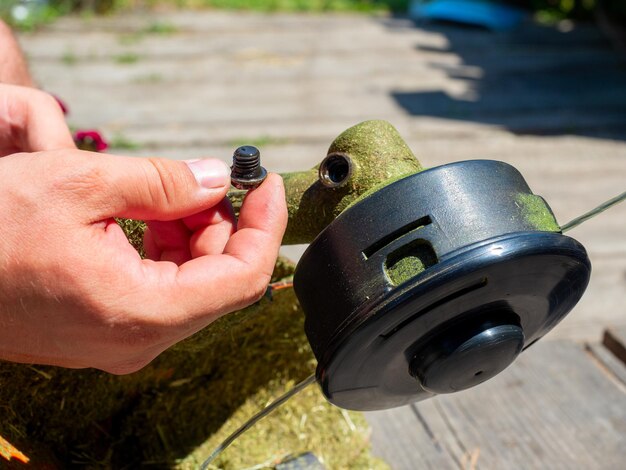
(249, 183)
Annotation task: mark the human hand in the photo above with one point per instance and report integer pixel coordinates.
(74, 293)
(30, 121)
(13, 68)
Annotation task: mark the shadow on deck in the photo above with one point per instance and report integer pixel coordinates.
(534, 80)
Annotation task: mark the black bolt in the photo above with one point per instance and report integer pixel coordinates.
(247, 172)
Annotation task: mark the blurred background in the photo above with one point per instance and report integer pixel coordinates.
(28, 14)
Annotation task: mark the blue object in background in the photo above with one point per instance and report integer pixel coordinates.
(489, 14)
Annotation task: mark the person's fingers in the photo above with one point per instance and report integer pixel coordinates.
(222, 212)
(207, 287)
(141, 188)
(150, 247)
(98, 304)
(204, 233)
(116, 237)
(261, 218)
(211, 229)
(171, 240)
(13, 67)
(34, 120)
(46, 128)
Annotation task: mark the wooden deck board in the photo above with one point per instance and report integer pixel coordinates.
(553, 408)
(410, 439)
(615, 341)
(610, 363)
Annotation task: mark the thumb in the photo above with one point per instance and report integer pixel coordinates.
(150, 188)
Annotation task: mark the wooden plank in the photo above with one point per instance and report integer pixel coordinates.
(553, 408)
(406, 441)
(615, 341)
(608, 362)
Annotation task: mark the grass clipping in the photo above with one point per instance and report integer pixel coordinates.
(172, 413)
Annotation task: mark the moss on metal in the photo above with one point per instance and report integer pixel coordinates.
(405, 269)
(379, 157)
(378, 154)
(537, 213)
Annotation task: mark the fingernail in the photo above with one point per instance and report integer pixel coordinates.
(210, 173)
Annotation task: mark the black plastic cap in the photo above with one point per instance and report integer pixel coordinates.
(434, 284)
(464, 359)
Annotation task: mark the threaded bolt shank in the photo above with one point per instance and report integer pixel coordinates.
(247, 172)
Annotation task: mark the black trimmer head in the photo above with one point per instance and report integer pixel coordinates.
(434, 284)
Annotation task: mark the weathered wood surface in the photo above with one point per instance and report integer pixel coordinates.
(606, 360)
(556, 407)
(615, 340)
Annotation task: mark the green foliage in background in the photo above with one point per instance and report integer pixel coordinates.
(37, 15)
(577, 9)
(562, 9)
(546, 10)
(105, 6)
